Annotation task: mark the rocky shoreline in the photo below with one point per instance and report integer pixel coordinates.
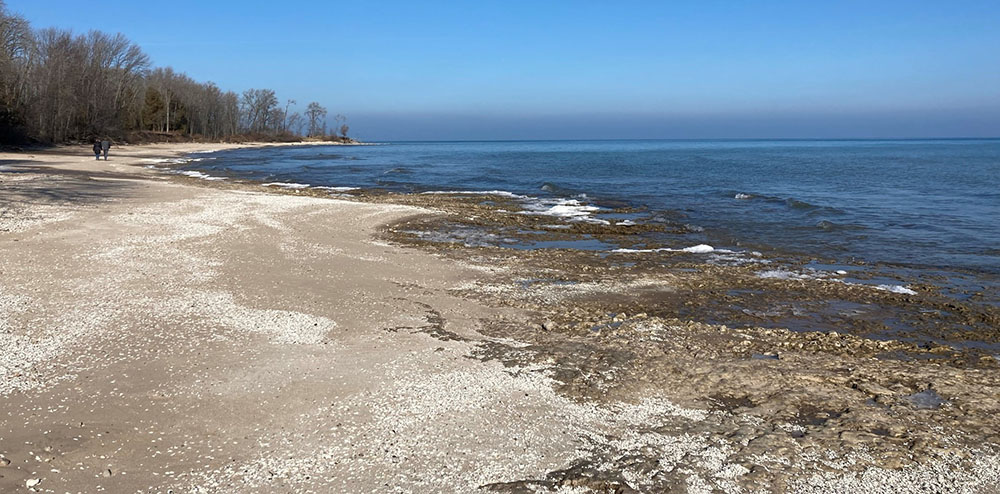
(855, 398)
(272, 340)
(857, 404)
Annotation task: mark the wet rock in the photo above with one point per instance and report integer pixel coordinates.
(925, 400)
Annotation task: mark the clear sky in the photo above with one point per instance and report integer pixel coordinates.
(585, 69)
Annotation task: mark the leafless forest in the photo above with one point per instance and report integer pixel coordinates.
(57, 86)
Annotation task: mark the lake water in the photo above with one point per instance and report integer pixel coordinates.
(911, 203)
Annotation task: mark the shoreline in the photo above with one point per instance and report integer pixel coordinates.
(468, 216)
(550, 369)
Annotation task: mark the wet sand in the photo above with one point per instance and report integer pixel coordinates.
(160, 333)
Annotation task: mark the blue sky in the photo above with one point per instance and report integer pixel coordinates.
(555, 69)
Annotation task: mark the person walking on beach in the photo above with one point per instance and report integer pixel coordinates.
(97, 150)
(105, 146)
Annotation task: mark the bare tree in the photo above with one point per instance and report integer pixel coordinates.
(316, 116)
(57, 86)
(296, 123)
(16, 44)
(284, 115)
(258, 107)
(341, 124)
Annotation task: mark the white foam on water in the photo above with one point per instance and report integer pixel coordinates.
(286, 185)
(626, 223)
(179, 161)
(502, 193)
(782, 274)
(742, 196)
(699, 249)
(694, 249)
(569, 209)
(173, 161)
(896, 289)
(196, 174)
(163, 160)
(337, 189)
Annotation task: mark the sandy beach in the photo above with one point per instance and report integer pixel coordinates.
(160, 333)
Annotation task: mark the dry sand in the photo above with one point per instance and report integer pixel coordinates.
(161, 336)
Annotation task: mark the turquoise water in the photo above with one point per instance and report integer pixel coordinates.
(912, 203)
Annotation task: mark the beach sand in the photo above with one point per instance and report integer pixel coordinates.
(160, 334)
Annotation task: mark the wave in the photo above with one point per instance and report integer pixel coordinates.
(395, 185)
(570, 209)
(896, 289)
(783, 274)
(170, 161)
(322, 157)
(830, 277)
(561, 191)
(789, 202)
(336, 189)
(830, 226)
(797, 204)
(501, 193)
(694, 249)
(287, 185)
(186, 173)
(399, 169)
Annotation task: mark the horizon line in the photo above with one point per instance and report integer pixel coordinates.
(690, 139)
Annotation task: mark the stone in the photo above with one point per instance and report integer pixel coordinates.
(925, 400)
(874, 389)
(106, 472)
(855, 438)
(4, 461)
(548, 325)
(32, 482)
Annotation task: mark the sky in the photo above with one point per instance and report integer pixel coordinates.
(427, 70)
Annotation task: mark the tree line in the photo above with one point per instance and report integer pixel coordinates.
(57, 86)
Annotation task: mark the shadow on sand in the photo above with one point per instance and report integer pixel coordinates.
(35, 184)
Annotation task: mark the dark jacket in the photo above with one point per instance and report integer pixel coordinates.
(97, 147)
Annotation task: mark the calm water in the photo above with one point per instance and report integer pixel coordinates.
(916, 203)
